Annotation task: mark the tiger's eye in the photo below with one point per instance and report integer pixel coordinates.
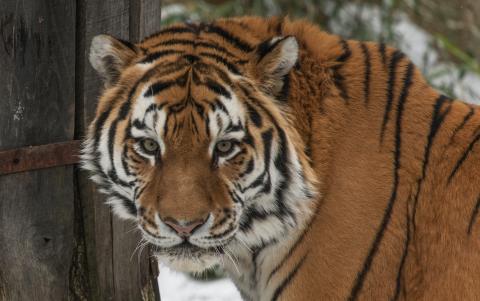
(224, 147)
(149, 146)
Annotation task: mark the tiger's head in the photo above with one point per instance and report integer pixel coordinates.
(192, 140)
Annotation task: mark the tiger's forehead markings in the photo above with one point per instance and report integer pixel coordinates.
(196, 31)
(212, 44)
(209, 57)
(166, 106)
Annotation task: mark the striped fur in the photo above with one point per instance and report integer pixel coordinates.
(346, 176)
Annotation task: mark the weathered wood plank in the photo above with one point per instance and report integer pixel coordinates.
(114, 273)
(95, 17)
(144, 20)
(36, 107)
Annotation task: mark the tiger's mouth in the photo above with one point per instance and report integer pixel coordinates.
(187, 250)
(188, 257)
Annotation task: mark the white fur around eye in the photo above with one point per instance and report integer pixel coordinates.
(224, 159)
(138, 148)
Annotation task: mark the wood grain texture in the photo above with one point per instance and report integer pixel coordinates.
(145, 18)
(95, 17)
(58, 240)
(37, 62)
(115, 271)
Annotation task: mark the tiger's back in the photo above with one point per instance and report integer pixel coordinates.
(400, 185)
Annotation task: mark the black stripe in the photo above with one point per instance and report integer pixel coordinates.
(193, 127)
(157, 88)
(122, 115)
(366, 81)
(346, 52)
(171, 30)
(337, 77)
(207, 126)
(392, 71)
(473, 216)
(461, 125)
(235, 41)
(396, 167)
(383, 54)
(280, 162)
(437, 119)
(248, 139)
(257, 182)
(464, 156)
(255, 255)
(234, 128)
(250, 214)
(124, 161)
(156, 55)
(192, 59)
(217, 104)
(138, 124)
(139, 192)
(403, 259)
(266, 47)
(128, 44)
(218, 48)
(99, 123)
(254, 115)
(248, 169)
(288, 279)
(171, 42)
(192, 43)
(293, 247)
(127, 203)
(285, 92)
(231, 67)
(217, 88)
(267, 137)
(235, 197)
(207, 69)
(171, 68)
(98, 128)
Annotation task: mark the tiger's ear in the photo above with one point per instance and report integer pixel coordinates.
(110, 56)
(276, 57)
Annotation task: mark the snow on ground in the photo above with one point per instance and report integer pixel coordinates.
(175, 286)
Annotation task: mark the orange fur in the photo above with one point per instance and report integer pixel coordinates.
(395, 217)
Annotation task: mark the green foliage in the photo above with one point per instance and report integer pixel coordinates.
(466, 61)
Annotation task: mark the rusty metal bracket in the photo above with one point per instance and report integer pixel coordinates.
(38, 157)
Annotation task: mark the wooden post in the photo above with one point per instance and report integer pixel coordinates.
(37, 95)
(58, 240)
(115, 271)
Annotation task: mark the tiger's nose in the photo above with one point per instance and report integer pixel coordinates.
(182, 228)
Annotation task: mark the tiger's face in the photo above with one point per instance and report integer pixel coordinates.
(189, 142)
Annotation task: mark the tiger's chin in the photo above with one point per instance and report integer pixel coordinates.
(188, 260)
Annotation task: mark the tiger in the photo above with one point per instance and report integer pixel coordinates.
(308, 166)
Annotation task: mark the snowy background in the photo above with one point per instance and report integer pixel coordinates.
(175, 286)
